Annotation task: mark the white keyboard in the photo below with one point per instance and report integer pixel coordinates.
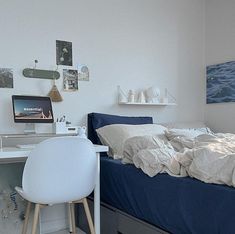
(28, 146)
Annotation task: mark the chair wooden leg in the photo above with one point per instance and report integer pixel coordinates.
(26, 220)
(88, 215)
(35, 218)
(72, 215)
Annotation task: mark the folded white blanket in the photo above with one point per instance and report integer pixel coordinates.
(208, 158)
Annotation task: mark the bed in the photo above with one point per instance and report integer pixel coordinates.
(136, 203)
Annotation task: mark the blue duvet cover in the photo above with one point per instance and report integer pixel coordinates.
(177, 205)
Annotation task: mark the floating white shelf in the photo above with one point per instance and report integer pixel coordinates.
(123, 97)
(147, 104)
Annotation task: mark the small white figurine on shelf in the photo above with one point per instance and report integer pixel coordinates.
(165, 98)
(141, 98)
(153, 94)
(131, 96)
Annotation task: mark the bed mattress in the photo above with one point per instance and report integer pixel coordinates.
(177, 205)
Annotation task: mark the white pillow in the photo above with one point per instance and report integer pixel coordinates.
(188, 133)
(196, 125)
(115, 135)
(185, 125)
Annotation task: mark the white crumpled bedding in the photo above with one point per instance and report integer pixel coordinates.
(209, 158)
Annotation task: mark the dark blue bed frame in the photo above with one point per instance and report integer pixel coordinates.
(198, 208)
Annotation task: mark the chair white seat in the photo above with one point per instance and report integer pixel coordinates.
(59, 170)
(22, 194)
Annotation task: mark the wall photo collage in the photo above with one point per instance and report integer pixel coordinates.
(64, 57)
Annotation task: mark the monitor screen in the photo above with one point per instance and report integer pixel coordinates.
(32, 109)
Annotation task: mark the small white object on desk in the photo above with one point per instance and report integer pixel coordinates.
(72, 129)
(62, 128)
(82, 132)
(59, 127)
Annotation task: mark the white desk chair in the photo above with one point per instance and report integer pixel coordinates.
(59, 170)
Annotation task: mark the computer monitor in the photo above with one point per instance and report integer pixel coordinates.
(31, 110)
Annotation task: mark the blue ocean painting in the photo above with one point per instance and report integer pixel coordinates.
(221, 83)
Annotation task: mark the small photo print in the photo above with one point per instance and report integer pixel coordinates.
(6, 78)
(70, 82)
(64, 54)
(83, 73)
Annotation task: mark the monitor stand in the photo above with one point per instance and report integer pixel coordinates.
(29, 128)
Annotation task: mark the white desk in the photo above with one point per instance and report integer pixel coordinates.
(13, 155)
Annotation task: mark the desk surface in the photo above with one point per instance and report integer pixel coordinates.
(14, 154)
(36, 135)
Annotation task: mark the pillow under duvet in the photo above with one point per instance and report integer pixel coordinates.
(115, 135)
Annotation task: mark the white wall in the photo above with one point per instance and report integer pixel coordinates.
(134, 43)
(220, 35)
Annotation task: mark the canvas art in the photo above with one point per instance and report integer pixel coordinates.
(221, 83)
(70, 82)
(64, 55)
(83, 73)
(6, 78)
